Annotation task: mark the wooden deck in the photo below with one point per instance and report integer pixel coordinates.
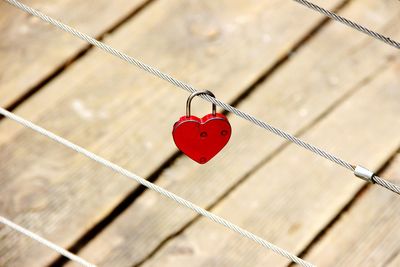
(312, 77)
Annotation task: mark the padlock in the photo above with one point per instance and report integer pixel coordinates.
(201, 139)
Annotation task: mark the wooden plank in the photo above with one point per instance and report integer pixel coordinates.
(395, 261)
(31, 50)
(311, 87)
(125, 115)
(292, 197)
(367, 234)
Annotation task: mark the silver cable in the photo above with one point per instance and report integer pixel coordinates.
(45, 242)
(349, 23)
(156, 188)
(181, 84)
(386, 184)
(189, 88)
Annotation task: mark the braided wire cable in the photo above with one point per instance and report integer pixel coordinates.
(45, 242)
(280, 132)
(155, 188)
(386, 184)
(180, 84)
(349, 23)
(191, 89)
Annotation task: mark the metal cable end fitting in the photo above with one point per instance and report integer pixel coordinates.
(364, 174)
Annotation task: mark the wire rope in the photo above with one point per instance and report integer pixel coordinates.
(154, 187)
(191, 89)
(45, 242)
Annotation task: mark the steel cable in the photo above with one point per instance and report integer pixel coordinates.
(154, 187)
(191, 89)
(45, 242)
(349, 23)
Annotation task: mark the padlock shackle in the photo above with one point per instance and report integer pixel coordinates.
(189, 101)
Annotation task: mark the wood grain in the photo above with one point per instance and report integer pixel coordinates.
(31, 50)
(295, 96)
(395, 261)
(293, 196)
(368, 233)
(125, 115)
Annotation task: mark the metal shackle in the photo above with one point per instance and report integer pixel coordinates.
(189, 101)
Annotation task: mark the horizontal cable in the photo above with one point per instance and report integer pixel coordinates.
(45, 242)
(191, 89)
(156, 188)
(349, 23)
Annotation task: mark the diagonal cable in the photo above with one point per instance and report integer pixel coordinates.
(156, 188)
(349, 23)
(45, 242)
(191, 89)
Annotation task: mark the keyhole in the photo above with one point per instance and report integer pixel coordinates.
(203, 134)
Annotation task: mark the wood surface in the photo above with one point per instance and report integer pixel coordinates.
(290, 199)
(31, 50)
(395, 261)
(368, 233)
(125, 115)
(318, 77)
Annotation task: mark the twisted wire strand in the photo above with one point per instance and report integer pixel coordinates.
(180, 84)
(349, 23)
(191, 89)
(45, 242)
(156, 188)
(280, 132)
(386, 184)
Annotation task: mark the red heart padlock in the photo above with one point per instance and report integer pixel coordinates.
(201, 139)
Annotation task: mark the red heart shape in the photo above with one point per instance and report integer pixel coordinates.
(201, 139)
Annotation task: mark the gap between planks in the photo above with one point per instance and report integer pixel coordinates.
(74, 58)
(137, 192)
(365, 81)
(347, 207)
(54, 87)
(277, 151)
(193, 242)
(367, 234)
